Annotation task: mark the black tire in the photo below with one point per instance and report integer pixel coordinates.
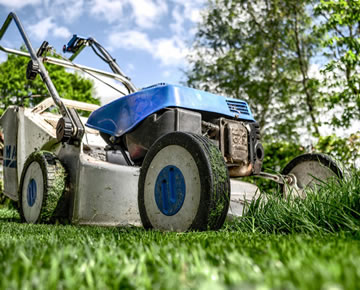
(202, 190)
(310, 169)
(42, 185)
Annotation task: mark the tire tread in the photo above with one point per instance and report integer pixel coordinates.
(54, 184)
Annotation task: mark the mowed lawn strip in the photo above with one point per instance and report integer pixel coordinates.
(77, 257)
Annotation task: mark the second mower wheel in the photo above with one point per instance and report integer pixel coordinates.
(309, 170)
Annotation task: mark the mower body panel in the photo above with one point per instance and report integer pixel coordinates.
(100, 192)
(122, 115)
(24, 133)
(111, 202)
(106, 194)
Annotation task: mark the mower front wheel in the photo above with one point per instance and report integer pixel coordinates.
(42, 184)
(184, 184)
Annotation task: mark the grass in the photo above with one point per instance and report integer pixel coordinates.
(282, 244)
(330, 207)
(68, 257)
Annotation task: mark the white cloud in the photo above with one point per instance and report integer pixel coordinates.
(178, 25)
(18, 4)
(134, 24)
(42, 29)
(101, 90)
(62, 32)
(186, 12)
(166, 73)
(192, 9)
(67, 9)
(110, 10)
(130, 39)
(170, 51)
(145, 13)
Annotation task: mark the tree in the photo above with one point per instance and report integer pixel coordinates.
(15, 89)
(260, 51)
(344, 149)
(341, 23)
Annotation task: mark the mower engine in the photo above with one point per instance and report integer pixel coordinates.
(239, 142)
(228, 123)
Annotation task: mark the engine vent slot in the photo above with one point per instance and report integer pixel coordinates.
(238, 107)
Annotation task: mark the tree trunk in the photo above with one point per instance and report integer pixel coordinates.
(305, 78)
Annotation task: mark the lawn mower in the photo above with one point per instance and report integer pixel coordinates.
(166, 156)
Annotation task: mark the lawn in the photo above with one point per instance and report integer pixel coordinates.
(302, 251)
(70, 257)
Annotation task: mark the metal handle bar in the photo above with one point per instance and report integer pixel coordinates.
(42, 71)
(68, 64)
(78, 43)
(113, 64)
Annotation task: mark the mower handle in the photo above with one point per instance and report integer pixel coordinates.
(69, 127)
(38, 63)
(77, 44)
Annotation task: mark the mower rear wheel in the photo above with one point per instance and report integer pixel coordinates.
(309, 170)
(42, 184)
(184, 184)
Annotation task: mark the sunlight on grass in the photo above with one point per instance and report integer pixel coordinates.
(320, 250)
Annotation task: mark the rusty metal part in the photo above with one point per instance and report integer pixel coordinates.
(210, 130)
(239, 143)
(233, 141)
(278, 178)
(236, 142)
(255, 147)
(240, 171)
(234, 145)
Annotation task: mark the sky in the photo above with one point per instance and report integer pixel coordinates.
(149, 39)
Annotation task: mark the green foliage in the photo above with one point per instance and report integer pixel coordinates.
(2, 196)
(15, 89)
(341, 24)
(278, 154)
(69, 257)
(345, 150)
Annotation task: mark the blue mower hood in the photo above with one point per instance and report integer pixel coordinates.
(123, 114)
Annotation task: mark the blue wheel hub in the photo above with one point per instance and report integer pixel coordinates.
(31, 192)
(170, 190)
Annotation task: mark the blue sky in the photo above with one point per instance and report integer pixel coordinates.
(149, 38)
